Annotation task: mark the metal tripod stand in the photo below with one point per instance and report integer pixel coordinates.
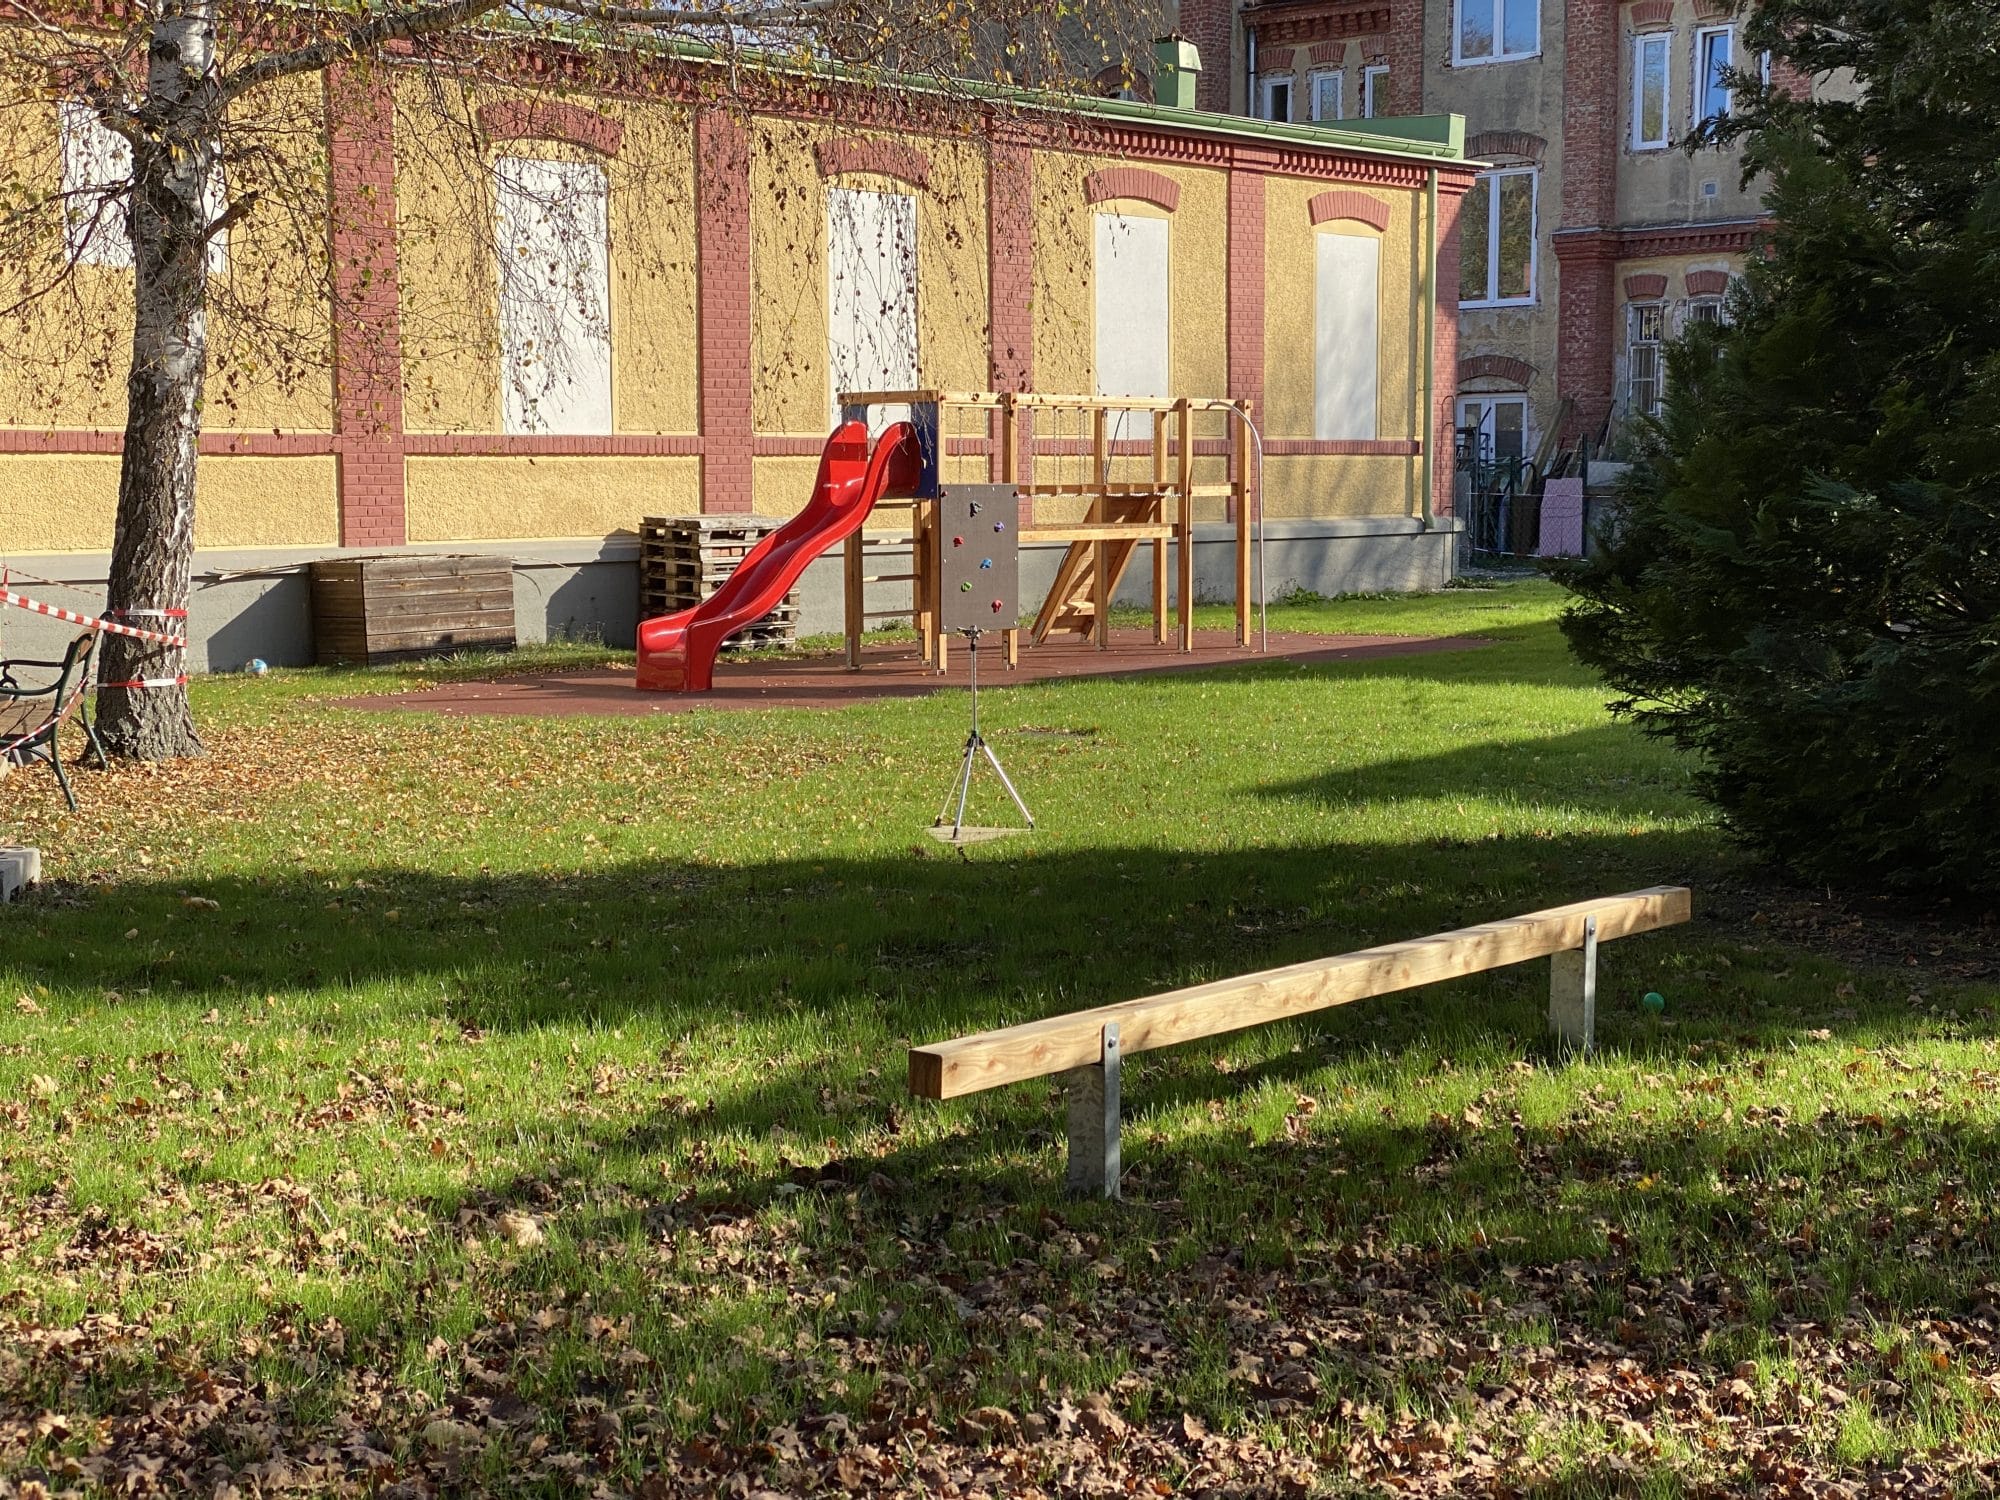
(975, 745)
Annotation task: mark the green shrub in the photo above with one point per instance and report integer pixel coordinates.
(1803, 584)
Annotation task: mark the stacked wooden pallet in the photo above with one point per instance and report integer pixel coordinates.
(684, 559)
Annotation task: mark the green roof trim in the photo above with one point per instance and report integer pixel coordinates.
(1426, 138)
(1429, 137)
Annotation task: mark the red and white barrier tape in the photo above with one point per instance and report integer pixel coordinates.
(93, 622)
(141, 683)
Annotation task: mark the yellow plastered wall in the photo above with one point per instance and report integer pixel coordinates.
(1065, 252)
(1328, 485)
(450, 296)
(1065, 301)
(69, 349)
(67, 502)
(790, 383)
(490, 499)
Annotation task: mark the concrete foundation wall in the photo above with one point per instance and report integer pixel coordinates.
(257, 604)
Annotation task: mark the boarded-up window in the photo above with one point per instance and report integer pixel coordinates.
(1132, 317)
(1347, 342)
(96, 169)
(871, 286)
(555, 296)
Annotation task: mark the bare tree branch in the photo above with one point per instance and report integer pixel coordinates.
(394, 26)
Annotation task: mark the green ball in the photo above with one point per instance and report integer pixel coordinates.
(1654, 1001)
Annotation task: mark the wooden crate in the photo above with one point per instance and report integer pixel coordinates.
(684, 559)
(369, 610)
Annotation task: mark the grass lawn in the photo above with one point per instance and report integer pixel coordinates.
(423, 1105)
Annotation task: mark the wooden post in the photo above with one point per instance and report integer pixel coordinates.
(922, 522)
(1185, 526)
(1245, 499)
(1573, 993)
(1158, 516)
(1100, 551)
(856, 596)
(1010, 473)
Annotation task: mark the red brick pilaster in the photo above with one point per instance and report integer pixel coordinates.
(1586, 244)
(1246, 290)
(1405, 59)
(1586, 320)
(722, 241)
(1010, 275)
(1444, 346)
(367, 335)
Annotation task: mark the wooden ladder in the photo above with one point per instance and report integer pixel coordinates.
(1074, 599)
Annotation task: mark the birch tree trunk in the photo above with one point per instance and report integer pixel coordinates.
(175, 156)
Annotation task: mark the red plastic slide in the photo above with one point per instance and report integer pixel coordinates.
(677, 652)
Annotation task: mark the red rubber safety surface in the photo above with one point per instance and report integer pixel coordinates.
(888, 671)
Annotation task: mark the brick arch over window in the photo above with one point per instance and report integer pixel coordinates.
(546, 120)
(884, 158)
(1517, 145)
(1344, 203)
(1496, 367)
(1649, 288)
(1707, 283)
(1650, 15)
(1133, 182)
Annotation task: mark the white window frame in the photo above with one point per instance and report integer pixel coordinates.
(1487, 406)
(1338, 79)
(1500, 53)
(1270, 85)
(1534, 175)
(1663, 43)
(1372, 78)
(1702, 36)
(1697, 306)
(1634, 313)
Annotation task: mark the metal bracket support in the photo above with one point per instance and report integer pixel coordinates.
(1093, 1097)
(1573, 993)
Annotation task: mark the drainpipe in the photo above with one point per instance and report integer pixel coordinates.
(1430, 341)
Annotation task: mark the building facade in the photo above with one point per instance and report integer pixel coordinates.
(720, 273)
(1592, 235)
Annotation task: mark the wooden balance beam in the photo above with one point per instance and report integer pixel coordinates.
(1087, 1045)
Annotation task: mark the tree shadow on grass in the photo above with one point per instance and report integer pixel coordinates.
(1346, 1273)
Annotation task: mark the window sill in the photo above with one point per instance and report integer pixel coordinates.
(1494, 62)
(1503, 303)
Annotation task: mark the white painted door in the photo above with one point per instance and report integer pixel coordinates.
(871, 297)
(555, 296)
(1347, 339)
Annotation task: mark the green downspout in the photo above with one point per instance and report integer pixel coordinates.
(1430, 339)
